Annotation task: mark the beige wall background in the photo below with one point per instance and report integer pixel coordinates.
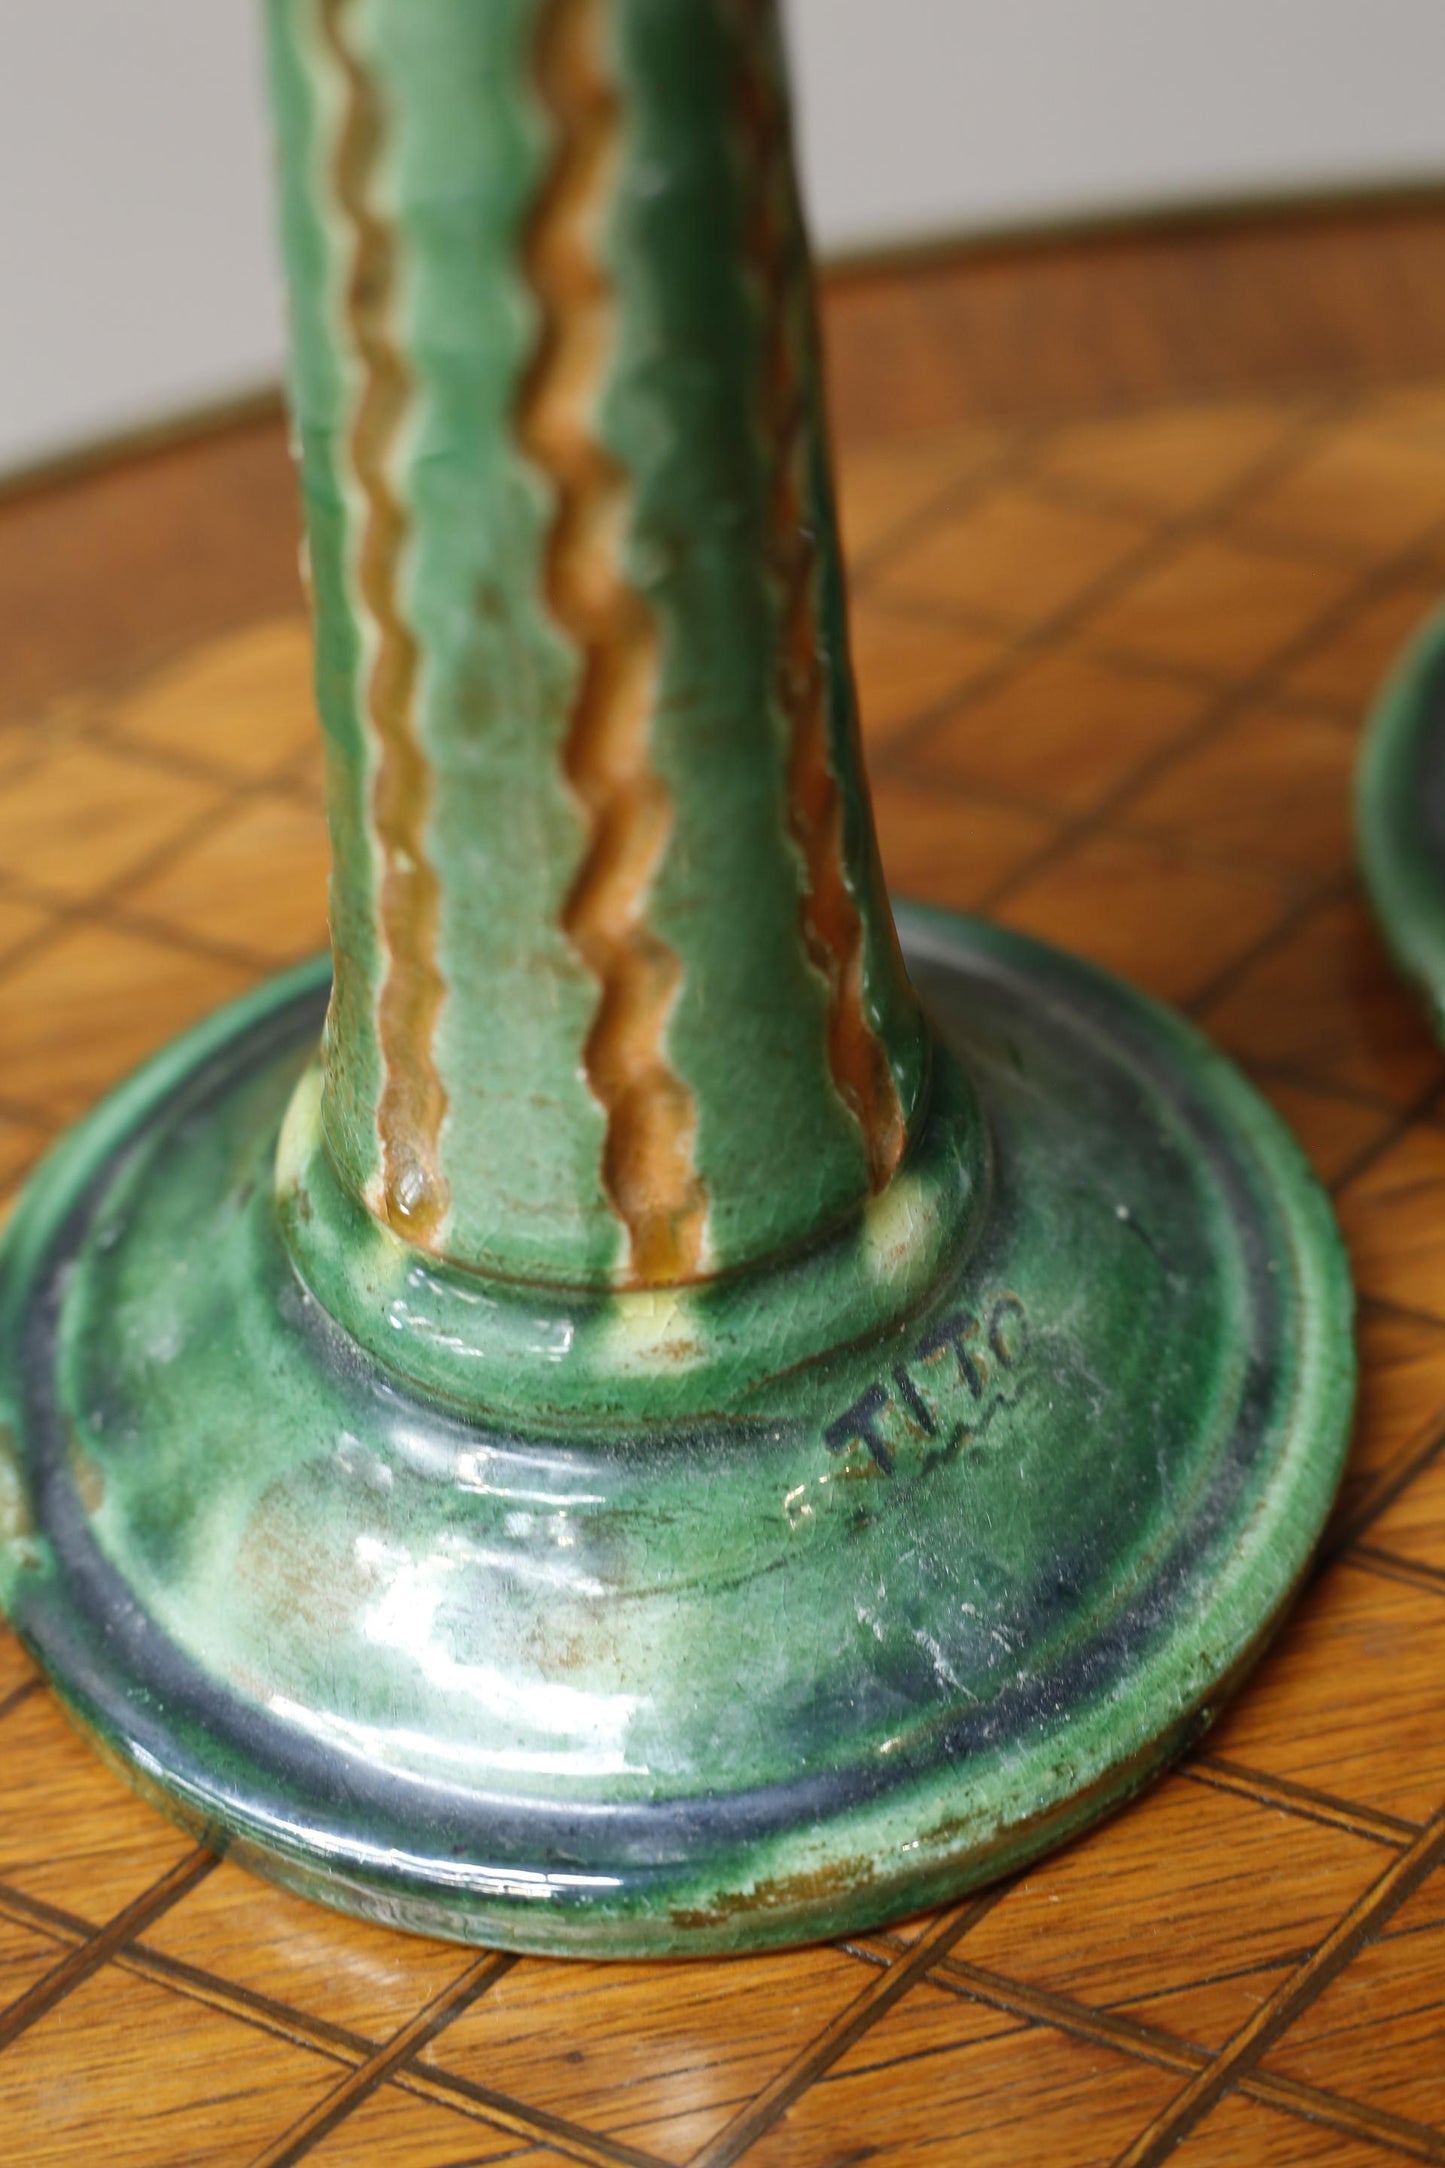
(135, 247)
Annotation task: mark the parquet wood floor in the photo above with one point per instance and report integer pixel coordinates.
(1117, 613)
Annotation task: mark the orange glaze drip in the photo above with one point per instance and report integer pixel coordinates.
(413, 1193)
(832, 924)
(648, 1153)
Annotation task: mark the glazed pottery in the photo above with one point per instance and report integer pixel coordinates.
(633, 1412)
(1400, 816)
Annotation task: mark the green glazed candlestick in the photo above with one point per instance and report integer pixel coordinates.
(682, 1425)
(1400, 816)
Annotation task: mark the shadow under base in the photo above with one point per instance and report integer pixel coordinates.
(884, 1624)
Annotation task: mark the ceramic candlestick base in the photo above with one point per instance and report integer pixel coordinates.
(1400, 817)
(882, 1587)
(679, 1425)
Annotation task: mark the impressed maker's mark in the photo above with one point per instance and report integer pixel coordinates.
(939, 1401)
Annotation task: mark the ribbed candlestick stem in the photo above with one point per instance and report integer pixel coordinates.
(617, 995)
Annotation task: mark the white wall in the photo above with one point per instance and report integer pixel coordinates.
(135, 257)
(135, 241)
(940, 115)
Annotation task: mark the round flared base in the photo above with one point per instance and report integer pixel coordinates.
(1400, 816)
(895, 1620)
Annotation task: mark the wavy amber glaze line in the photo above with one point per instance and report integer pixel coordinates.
(832, 923)
(412, 1103)
(648, 1163)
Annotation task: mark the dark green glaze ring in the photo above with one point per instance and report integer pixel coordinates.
(895, 1620)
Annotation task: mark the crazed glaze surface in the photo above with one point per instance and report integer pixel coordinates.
(643, 1444)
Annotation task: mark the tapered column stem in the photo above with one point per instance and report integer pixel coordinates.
(617, 997)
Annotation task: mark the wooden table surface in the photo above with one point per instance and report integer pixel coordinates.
(1135, 525)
